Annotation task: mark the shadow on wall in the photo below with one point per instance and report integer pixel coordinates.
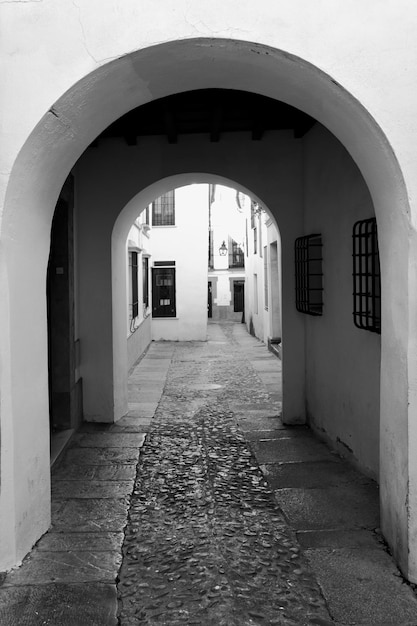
(251, 327)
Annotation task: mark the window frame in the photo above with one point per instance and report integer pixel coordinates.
(163, 210)
(236, 254)
(134, 284)
(167, 310)
(308, 259)
(366, 276)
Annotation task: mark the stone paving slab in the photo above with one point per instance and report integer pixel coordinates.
(94, 542)
(70, 471)
(141, 409)
(114, 489)
(252, 422)
(346, 506)
(276, 430)
(96, 515)
(284, 450)
(81, 566)
(109, 440)
(312, 474)
(360, 539)
(101, 456)
(127, 424)
(59, 605)
(373, 592)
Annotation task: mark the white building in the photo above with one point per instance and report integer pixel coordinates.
(179, 264)
(226, 277)
(338, 149)
(263, 277)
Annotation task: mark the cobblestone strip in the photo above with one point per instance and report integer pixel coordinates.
(206, 543)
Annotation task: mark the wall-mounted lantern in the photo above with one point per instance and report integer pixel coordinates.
(223, 249)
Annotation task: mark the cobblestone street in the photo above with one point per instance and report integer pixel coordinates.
(200, 507)
(206, 542)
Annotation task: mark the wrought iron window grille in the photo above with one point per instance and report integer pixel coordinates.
(366, 276)
(309, 274)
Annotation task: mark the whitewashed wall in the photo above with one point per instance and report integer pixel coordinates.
(348, 412)
(352, 67)
(186, 243)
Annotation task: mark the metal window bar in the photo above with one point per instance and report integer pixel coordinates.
(309, 275)
(366, 276)
(236, 254)
(135, 288)
(163, 210)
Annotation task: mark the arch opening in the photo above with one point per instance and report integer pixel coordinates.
(51, 151)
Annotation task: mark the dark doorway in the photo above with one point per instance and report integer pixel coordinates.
(65, 404)
(210, 300)
(238, 296)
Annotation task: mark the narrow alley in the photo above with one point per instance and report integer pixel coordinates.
(200, 507)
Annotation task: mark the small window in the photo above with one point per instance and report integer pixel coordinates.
(255, 293)
(210, 249)
(134, 291)
(266, 277)
(163, 210)
(366, 276)
(255, 240)
(236, 254)
(309, 275)
(145, 284)
(163, 292)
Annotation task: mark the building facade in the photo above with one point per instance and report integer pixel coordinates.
(350, 69)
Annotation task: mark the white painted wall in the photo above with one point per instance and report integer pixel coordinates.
(274, 280)
(256, 317)
(139, 328)
(333, 61)
(342, 362)
(227, 220)
(186, 243)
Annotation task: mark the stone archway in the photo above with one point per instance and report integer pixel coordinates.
(37, 176)
(118, 251)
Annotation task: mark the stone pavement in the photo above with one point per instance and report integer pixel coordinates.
(182, 528)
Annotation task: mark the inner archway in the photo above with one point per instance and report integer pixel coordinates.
(44, 163)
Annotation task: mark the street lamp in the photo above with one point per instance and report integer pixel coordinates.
(223, 249)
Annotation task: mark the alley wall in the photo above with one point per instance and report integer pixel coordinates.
(342, 361)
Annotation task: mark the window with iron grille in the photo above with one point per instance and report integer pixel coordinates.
(163, 210)
(366, 276)
(145, 282)
(134, 291)
(309, 275)
(255, 240)
(236, 254)
(163, 292)
(210, 249)
(266, 300)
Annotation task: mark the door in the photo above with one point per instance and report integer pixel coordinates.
(210, 300)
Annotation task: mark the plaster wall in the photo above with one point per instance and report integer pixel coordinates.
(113, 173)
(139, 329)
(342, 362)
(138, 341)
(257, 316)
(186, 243)
(227, 220)
(351, 67)
(274, 279)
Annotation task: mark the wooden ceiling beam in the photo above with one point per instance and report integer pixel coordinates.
(170, 127)
(302, 126)
(130, 138)
(216, 124)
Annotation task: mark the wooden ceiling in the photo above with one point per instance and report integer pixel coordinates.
(212, 112)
